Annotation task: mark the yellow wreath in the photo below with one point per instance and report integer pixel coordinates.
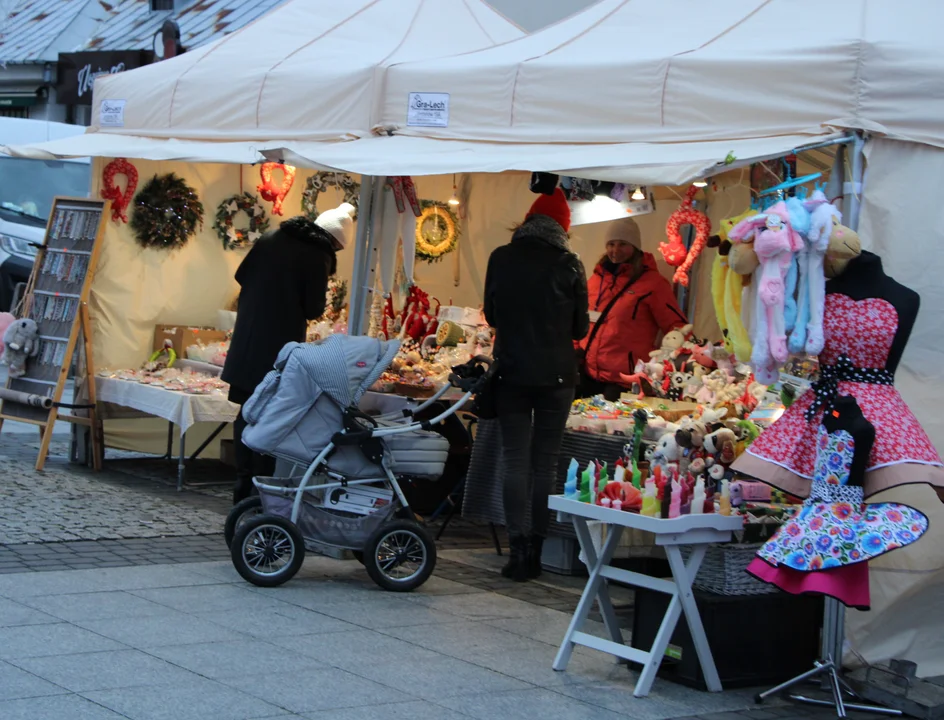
(432, 244)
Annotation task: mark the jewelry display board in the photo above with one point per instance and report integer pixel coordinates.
(57, 299)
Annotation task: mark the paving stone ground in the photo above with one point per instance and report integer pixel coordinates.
(117, 600)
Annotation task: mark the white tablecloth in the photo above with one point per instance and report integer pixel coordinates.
(179, 408)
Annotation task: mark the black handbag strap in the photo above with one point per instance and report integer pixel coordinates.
(606, 310)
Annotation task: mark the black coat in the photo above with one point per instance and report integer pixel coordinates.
(536, 299)
(284, 282)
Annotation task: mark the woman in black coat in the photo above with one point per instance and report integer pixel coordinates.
(283, 285)
(536, 299)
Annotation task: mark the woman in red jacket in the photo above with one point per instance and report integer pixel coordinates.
(643, 306)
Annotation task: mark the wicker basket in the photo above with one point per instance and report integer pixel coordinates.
(724, 570)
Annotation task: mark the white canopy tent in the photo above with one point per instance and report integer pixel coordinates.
(688, 71)
(308, 70)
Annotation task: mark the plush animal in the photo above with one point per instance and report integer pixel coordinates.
(666, 451)
(775, 241)
(711, 416)
(715, 441)
(20, 342)
(674, 252)
(819, 244)
(673, 341)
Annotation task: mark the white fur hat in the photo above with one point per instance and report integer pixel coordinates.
(339, 222)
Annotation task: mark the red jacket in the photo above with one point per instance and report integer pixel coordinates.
(629, 331)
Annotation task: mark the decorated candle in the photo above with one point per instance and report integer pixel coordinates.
(619, 473)
(665, 501)
(585, 489)
(698, 498)
(676, 502)
(724, 503)
(570, 485)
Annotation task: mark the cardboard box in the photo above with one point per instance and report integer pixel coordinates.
(183, 337)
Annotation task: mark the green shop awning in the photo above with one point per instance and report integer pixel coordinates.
(18, 100)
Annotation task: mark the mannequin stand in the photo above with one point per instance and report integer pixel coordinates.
(834, 615)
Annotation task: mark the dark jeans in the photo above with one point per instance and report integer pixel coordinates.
(532, 422)
(249, 464)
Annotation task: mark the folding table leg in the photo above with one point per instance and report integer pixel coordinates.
(684, 574)
(595, 588)
(180, 460)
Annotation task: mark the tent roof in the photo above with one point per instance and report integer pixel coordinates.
(639, 163)
(687, 70)
(309, 69)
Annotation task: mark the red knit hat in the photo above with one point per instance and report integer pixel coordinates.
(553, 206)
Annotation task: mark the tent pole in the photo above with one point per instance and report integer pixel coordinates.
(370, 257)
(852, 188)
(356, 298)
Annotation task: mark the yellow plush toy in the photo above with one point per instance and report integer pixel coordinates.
(727, 284)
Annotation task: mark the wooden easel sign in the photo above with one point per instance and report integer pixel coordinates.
(57, 299)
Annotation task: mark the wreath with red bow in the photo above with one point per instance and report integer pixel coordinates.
(110, 190)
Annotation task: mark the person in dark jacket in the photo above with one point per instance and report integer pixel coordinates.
(536, 299)
(283, 285)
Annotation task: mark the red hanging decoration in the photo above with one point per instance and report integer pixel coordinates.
(110, 190)
(674, 251)
(269, 190)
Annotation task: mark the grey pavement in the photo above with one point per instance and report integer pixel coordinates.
(117, 600)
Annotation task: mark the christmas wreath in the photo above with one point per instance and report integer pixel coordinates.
(322, 181)
(437, 230)
(110, 190)
(166, 213)
(232, 236)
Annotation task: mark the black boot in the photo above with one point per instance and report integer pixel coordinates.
(517, 567)
(534, 557)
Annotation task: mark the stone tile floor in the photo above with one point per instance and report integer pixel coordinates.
(117, 600)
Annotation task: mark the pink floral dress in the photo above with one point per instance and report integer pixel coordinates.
(858, 339)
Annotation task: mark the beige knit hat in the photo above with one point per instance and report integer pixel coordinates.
(624, 229)
(339, 222)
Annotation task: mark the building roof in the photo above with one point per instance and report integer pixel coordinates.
(130, 24)
(29, 33)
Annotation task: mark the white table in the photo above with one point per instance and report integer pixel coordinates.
(178, 408)
(697, 531)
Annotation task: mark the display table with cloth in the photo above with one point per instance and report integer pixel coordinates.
(696, 531)
(181, 410)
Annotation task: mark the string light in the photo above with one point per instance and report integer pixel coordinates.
(637, 194)
(700, 183)
(454, 200)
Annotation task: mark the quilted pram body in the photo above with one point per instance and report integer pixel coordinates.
(299, 406)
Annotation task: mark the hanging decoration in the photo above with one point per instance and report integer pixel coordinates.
(232, 236)
(110, 190)
(323, 180)
(166, 213)
(674, 251)
(272, 192)
(437, 230)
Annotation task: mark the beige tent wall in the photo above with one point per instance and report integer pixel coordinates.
(903, 221)
(136, 288)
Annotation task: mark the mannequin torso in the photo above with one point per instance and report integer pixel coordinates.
(865, 278)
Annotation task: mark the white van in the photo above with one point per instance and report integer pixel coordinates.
(27, 189)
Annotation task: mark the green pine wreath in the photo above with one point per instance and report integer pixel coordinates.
(437, 230)
(234, 237)
(324, 180)
(166, 213)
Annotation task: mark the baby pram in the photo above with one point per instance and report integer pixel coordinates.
(306, 412)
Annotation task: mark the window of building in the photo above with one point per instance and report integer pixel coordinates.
(157, 5)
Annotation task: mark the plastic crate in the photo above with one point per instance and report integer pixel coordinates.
(755, 640)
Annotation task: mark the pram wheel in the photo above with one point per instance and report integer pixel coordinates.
(241, 512)
(268, 550)
(400, 555)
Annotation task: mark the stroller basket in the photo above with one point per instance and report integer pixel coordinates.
(326, 526)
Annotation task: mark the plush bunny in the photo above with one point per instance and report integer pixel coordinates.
(20, 342)
(826, 219)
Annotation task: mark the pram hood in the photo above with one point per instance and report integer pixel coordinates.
(297, 407)
(343, 366)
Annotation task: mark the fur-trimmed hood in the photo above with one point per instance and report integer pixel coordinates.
(306, 230)
(541, 227)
